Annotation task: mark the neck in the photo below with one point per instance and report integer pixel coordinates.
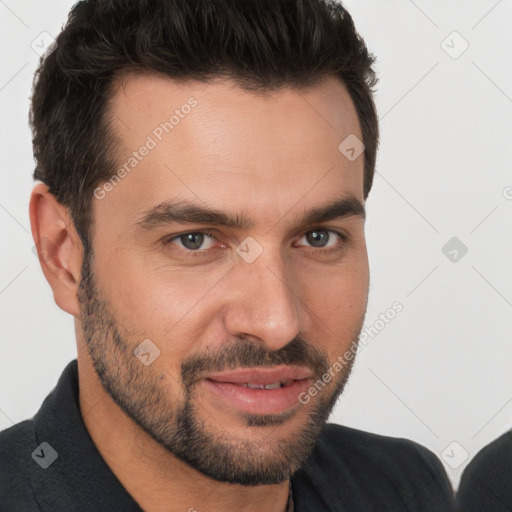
(156, 479)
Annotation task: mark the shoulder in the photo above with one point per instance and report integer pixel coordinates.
(485, 483)
(391, 455)
(16, 446)
(399, 472)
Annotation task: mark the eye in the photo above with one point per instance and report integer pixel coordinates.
(194, 241)
(321, 238)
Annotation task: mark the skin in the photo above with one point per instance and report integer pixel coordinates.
(270, 156)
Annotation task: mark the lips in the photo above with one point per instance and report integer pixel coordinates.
(263, 376)
(259, 390)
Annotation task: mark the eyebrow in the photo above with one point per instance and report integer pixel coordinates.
(184, 212)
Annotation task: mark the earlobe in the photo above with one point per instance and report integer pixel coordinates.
(58, 246)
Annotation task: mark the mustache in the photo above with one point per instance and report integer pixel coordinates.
(244, 353)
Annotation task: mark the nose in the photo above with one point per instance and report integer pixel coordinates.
(262, 303)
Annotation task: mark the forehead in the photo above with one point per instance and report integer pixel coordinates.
(221, 145)
(150, 99)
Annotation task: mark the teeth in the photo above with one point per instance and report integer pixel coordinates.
(274, 385)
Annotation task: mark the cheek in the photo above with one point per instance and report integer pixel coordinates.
(163, 304)
(147, 296)
(340, 301)
(336, 301)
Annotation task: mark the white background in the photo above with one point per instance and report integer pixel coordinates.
(441, 370)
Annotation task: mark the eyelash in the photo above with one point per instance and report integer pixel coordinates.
(204, 252)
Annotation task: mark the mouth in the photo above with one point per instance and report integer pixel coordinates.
(259, 390)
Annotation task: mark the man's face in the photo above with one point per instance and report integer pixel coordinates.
(187, 317)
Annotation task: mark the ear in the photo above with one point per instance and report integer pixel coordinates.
(58, 246)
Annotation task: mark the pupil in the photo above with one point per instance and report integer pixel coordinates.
(317, 238)
(195, 239)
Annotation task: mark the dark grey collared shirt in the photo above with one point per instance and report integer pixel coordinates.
(290, 500)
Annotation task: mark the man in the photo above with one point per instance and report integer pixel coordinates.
(204, 167)
(486, 482)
